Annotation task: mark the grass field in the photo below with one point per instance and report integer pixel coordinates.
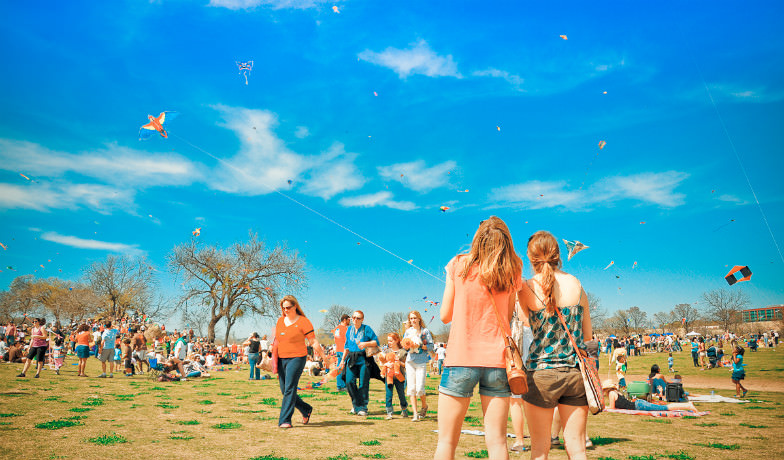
(227, 416)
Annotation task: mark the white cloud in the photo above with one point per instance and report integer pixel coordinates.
(264, 163)
(113, 164)
(47, 196)
(90, 244)
(731, 199)
(647, 188)
(377, 199)
(274, 4)
(417, 176)
(515, 80)
(746, 93)
(419, 59)
(302, 132)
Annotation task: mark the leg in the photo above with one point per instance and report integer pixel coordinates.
(451, 412)
(411, 380)
(496, 413)
(252, 359)
(389, 388)
(574, 419)
(555, 427)
(340, 381)
(400, 387)
(518, 420)
(539, 420)
(364, 385)
(351, 386)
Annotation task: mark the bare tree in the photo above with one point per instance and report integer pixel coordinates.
(244, 278)
(686, 315)
(662, 319)
(725, 307)
(598, 314)
(638, 319)
(127, 286)
(392, 321)
(620, 323)
(333, 315)
(20, 300)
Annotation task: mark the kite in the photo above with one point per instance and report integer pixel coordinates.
(322, 311)
(155, 124)
(604, 92)
(411, 261)
(3, 246)
(564, 37)
(196, 232)
(602, 144)
(612, 262)
(634, 265)
(462, 191)
(444, 208)
(10, 267)
(375, 93)
(245, 68)
(732, 279)
(574, 247)
(24, 176)
(498, 128)
(289, 181)
(335, 9)
(642, 222)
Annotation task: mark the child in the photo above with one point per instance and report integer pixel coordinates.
(127, 350)
(57, 355)
(738, 372)
(396, 355)
(620, 372)
(670, 362)
(117, 358)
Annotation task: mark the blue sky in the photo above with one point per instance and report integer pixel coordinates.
(484, 97)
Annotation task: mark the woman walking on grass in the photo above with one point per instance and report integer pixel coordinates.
(38, 347)
(420, 342)
(481, 286)
(292, 331)
(554, 380)
(738, 371)
(83, 347)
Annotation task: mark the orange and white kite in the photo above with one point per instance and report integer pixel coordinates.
(197, 232)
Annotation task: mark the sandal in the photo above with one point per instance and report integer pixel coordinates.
(285, 425)
(519, 448)
(306, 418)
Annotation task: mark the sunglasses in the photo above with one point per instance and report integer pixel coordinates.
(286, 308)
(357, 317)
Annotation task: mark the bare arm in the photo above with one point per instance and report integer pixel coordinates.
(318, 349)
(587, 329)
(448, 302)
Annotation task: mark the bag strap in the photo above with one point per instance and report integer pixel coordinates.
(504, 330)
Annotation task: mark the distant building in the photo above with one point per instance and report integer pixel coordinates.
(769, 313)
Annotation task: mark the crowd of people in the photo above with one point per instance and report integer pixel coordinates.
(550, 324)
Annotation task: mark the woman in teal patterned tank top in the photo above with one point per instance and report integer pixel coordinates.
(554, 380)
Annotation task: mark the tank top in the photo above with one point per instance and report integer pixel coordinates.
(37, 342)
(551, 347)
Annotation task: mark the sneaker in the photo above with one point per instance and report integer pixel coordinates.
(404, 413)
(352, 412)
(285, 425)
(416, 418)
(183, 379)
(389, 416)
(362, 413)
(21, 374)
(110, 376)
(555, 441)
(588, 444)
(36, 376)
(102, 376)
(57, 371)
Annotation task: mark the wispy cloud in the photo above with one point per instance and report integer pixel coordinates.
(274, 4)
(377, 199)
(302, 132)
(745, 93)
(82, 243)
(265, 163)
(417, 176)
(419, 59)
(48, 196)
(646, 188)
(515, 80)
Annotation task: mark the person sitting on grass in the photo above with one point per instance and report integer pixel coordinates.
(658, 383)
(615, 400)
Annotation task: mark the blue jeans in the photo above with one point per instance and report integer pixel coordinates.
(253, 358)
(640, 404)
(440, 366)
(289, 371)
(359, 391)
(400, 387)
(340, 381)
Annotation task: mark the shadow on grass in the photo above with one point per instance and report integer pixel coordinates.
(602, 441)
(340, 423)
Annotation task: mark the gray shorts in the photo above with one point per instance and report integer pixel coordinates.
(547, 388)
(107, 355)
(141, 355)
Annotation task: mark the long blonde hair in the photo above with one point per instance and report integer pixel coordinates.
(419, 316)
(493, 250)
(293, 300)
(545, 257)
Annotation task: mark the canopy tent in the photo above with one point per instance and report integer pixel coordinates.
(693, 334)
(668, 333)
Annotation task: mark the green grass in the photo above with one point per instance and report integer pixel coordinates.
(679, 456)
(188, 422)
(641, 457)
(93, 401)
(749, 425)
(372, 442)
(227, 426)
(374, 455)
(9, 414)
(58, 424)
(165, 405)
(707, 424)
(206, 402)
(269, 457)
(340, 457)
(478, 454)
(717, 445)
(80, 409)
(108, 439)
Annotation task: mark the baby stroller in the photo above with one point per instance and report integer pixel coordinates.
(712, 357)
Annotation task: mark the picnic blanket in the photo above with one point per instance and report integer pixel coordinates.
(659, 413)
(714, 399)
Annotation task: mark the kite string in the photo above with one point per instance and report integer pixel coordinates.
(732, 146)
(293, 200)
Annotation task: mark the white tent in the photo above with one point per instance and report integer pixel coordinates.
(693, 334)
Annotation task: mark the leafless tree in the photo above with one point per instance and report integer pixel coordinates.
(662, 319)
(725, 306)
(20, 300)
(620, 323)
(392, 321)
(245, 279)
(127, 286)
(333, 315)
(685, 314)
(638, 319)
(598, 314)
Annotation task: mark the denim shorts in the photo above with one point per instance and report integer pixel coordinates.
(460, 382)
(82, 351)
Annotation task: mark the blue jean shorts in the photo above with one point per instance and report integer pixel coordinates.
(82, 351)
(460, 382)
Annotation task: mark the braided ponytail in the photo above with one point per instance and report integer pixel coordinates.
(545, 258)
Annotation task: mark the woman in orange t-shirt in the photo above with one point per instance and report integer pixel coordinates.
(490, 273)
(292, 332)
(83, 337)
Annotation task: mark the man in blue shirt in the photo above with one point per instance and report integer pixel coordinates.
(358, 338)
(105, 351)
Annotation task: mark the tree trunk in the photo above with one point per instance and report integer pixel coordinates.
(211, 329)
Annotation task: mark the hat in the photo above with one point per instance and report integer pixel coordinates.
(609, 385)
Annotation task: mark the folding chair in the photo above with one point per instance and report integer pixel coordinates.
(155, 369)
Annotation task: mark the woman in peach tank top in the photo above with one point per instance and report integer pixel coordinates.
(490, 272)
